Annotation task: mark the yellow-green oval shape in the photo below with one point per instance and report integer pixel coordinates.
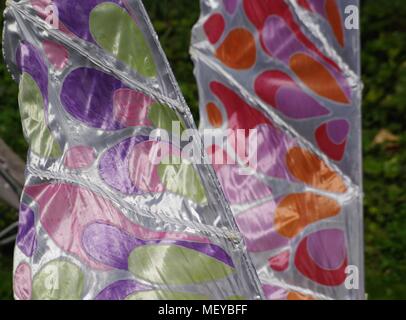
(116, 32)
(162, 117)
(182, 179)
(58, 280)
(36, 131)
(175, 265)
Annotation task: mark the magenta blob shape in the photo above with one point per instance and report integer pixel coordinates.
(338, 130)
(327, 248)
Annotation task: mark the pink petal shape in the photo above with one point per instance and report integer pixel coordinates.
(23, 282)
(79, 157)
(279, 40)
(273, 145)
(56, 53)
(280, 262)
(143, 164)
(274, 293)
(257, 226)
(65, 210)
(41, 7)
(131, 107)
(240, 189)
(230, 5)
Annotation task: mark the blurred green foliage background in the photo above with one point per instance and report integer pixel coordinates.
(384, 118)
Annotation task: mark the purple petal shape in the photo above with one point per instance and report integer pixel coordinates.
(295, 104)
(230, 5)
(327, 248)
(273, 145)
(208, 249)
(29, 59)
(120, 290)
(114, 166)
(112, 246)
(87, 94)
(109, 245)
(338, 130)
(26, 237)
(75, 15)
(280, 40)
(280, 91)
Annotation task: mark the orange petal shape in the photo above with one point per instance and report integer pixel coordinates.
(334, 18)
(214, 115)
(310, 169)
(317, 77)
(297, 211)
(238, 50)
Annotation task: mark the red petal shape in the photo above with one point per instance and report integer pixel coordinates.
(310, 269)
(280, 262)
(331, 149)
(240, 114)
(214, 27)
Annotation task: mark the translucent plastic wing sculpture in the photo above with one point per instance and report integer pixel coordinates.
(287, 72)
(98, 218)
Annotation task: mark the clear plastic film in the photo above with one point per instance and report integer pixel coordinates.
(287, 73)
(99, 219)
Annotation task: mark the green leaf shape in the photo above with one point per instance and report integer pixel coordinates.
(181, 178)
(116, 32)
(175, 265)
(166, 295)
(31, 104)
(58, 280)
(162, 117)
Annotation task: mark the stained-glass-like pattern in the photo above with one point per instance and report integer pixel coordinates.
(110, 210)
(289, 71)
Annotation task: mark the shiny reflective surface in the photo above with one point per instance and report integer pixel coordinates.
(100, 218)
(290, 71)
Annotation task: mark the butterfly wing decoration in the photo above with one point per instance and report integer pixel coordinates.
(112, 208)
(285, 73)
